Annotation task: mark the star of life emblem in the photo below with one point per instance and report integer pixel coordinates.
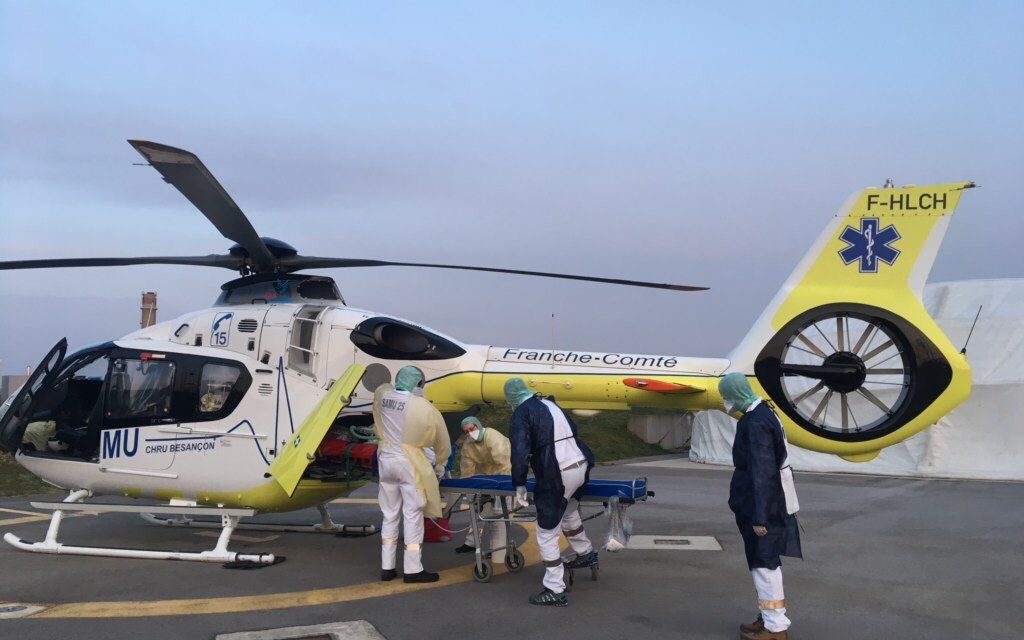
(869, 245)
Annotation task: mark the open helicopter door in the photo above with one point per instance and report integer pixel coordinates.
(291, 463)
(15, 412)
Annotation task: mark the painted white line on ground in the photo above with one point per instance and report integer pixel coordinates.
(17, 609)
(674, 543)
(355, 630)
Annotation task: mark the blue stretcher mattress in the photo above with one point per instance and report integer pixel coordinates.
(595, 491)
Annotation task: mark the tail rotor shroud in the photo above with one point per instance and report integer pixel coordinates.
(850, 372)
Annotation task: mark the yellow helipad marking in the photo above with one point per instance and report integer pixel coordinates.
(22, 520)
(263, 602)
(462, 507)
(20, 512)
(24, 516)
(29, 516)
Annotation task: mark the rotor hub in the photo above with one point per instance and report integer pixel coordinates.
(852, 375)
(278, 248)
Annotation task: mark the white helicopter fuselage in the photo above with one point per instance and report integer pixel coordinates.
(282, 358)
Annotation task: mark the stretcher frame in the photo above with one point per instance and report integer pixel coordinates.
(478, 496)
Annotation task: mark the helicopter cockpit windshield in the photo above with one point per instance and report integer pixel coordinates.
(109, 387)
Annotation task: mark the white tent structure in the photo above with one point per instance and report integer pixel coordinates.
(982, 439)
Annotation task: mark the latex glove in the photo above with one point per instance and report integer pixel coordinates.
(521, 498)
(439, 471)
(760, 531)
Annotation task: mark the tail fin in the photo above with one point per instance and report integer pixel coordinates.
(846, 348)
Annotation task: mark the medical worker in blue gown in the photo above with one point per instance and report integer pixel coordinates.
(757, 498)
(544, 439)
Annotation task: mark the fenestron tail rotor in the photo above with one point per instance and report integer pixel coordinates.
(846, 373)
(851, 372)
(257, 255)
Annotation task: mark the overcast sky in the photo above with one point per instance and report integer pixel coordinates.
(672, 142)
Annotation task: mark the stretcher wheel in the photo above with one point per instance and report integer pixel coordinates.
(515, 561)
(483, 571)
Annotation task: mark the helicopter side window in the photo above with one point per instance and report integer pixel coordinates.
(215, 384)
(140, 389)
(302, 343)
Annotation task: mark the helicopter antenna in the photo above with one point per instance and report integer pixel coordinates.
(971, 332)
(553, 345)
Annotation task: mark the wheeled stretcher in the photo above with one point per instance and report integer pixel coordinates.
(479, 490)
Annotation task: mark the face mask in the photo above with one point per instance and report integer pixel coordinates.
(476, 435)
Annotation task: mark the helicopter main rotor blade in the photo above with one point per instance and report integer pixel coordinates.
(213, 260)
(187, 173)
(294, 263)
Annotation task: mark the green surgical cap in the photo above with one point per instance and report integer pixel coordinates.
(408, 378)
(472, 420)
(516, 392)
(736, 392)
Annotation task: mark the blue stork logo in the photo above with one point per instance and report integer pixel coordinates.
(869, 245)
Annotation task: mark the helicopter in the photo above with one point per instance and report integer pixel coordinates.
(227, 411)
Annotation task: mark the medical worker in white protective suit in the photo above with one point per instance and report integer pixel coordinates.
(544, 439)
(406, 424)
(485, 452)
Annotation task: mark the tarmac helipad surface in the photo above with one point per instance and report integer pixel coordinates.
(884, 558)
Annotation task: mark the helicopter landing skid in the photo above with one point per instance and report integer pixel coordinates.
(220, 553)
(326, 525)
